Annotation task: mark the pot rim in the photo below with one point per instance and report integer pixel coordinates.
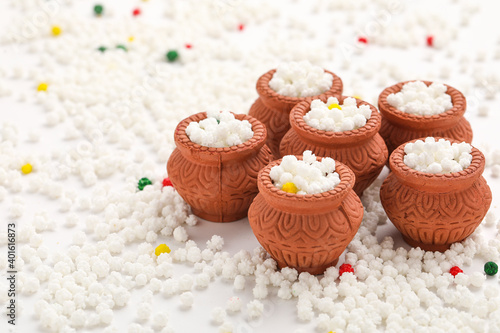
(446, 118)
(306, 203)
(440, 181)
(184, 143)
(329, 138)
(266, 92)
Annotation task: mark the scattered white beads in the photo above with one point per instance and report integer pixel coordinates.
(331, 116)
(300, 79)
(308, 176)
(417, 98)
(439, 156)
(219, 129)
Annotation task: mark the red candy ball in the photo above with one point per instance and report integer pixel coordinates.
(241, 27)
(167, 182)
(455, 270)
(363, 40)
(345, 268)
(136, 12)
(430, 40)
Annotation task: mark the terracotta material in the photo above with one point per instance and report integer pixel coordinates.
(218, 183)
(273, 109)
(433, 211)
(399, 127)
(363, 149)
(306, 232)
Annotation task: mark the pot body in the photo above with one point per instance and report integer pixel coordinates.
(435, 211)
(363, 150)
(306, 232)
(399, 127)
(273, 110)
(218, 183)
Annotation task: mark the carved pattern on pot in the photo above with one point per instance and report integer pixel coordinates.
(306, 232)
(399, 127)
(363, 149)
(434, 211)
(273, 109)
(218, 183)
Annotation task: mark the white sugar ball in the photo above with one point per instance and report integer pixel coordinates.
(218, 315)
(234, 304)
(255, 309)
(239, 282)
(144, 311)
(186, 299)
(180, 234)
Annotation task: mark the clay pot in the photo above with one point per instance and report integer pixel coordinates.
(306, 232)
(218, 183)
(273, 109)
(432, 211)
(399, 127)
(363, 149)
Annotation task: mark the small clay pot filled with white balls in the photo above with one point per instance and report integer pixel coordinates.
(306, 212)
(216, 161)
(416, 109)
(435, 194)
(282, 88)
(345, 129)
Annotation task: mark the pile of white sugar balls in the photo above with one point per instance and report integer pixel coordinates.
(419, 99)
(300, 79)
(219, 129)
(337, 118)
(440, 156)
(306, 176)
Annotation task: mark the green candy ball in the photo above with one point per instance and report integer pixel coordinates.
(143, 182)
(490, 268)
(120, 46)
(98, 9)
(172, 55)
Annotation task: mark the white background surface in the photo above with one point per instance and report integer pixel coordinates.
(335, 36)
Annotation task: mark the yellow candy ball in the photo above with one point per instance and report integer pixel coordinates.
(56, 30)
(290, 188)
(334, 105)
(131, 38)
(27, 168)
(42, 87)
(162, 248)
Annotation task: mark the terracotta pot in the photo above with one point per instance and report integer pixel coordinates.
(399, 127)
(273, 109)
(432, 211)
(363, 149)
(218, 183)
(307, 232)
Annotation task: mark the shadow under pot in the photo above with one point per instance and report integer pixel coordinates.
(273, 109)
(363, 150)
(399, 127)
(433, 211)
(306, 232)
(218, 183)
